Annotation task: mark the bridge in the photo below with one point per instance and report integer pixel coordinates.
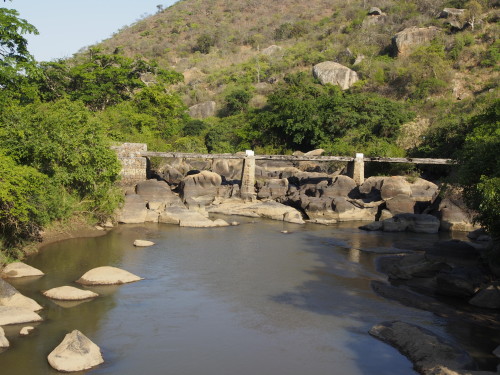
(133, 157)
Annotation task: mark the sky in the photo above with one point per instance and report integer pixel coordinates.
(66, 26)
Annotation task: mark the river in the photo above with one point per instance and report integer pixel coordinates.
(244, 300)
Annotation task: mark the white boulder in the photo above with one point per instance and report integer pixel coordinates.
(20, 269)
(107, 276)
(69, 293)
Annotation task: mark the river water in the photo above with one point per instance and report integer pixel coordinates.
(245, 299)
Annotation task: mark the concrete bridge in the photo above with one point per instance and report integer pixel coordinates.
(134, 159)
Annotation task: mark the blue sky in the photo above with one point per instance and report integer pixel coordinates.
(65, 26)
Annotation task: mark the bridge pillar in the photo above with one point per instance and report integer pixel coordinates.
(134, 166)
(356, 169)
(247, 188)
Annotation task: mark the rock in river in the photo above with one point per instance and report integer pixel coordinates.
(107, 276)
(4, 343)
(75, 353)
(20, 269)
(69, 293)
(17, 315)
(10, 296)
(143, 243)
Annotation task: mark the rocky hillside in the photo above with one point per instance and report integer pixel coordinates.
(400, 49)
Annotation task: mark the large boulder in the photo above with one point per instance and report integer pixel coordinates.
(454, 17)
(410, 266)
(272, 50)
(4, 343)
(341, 186)
(453, 252)
(335, 74)
(417, 223)
(408, 39)
(10, 296)
(268, 209)
(20, 269)
(427, 351)
(17, 315)
(69, 293)
(107, 275)
(423, 190)
(460, 281)
(199, 190)
(393, 186)
(487, 297)
(273, 188)
(134, 210)
(400, 204)
(156, 193)
(75, 353)
(231, 169)
(453, 218)
(203, 110)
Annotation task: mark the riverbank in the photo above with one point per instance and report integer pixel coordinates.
(75, 227)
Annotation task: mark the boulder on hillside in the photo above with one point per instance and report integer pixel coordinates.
(405, 41)
(374, 11)
(75, 353)
(193, 75)
(107, 275)
(200, 189)
(428, 352)
(272, 50)
(203, 110)
(454, 17)
(335, 74)
(69, 293)
(19, 269)
(17, 315)
(10, 296)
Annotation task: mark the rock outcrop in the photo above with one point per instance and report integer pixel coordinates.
(203, 110)
(10, 296)
(272, 50)
(20, 269)
(454, 17)
(69, 293)
(417, 223)
(405, 41)
(107, 275)
(335, 74)
(199, 190)
(428, 352)
(75, 353)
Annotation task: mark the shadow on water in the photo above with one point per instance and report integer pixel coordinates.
(340, 287)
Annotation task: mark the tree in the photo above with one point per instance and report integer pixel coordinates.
(473, 11)
(14, 55)
(479, 173)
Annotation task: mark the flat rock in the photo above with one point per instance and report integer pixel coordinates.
(4, 343)
(426, 350)
(143, 243)
(17, 315)
(69, 293)
(75, 353)
(107, 275)
(10, 296)
(20, 269)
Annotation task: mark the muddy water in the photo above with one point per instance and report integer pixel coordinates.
(236, 300)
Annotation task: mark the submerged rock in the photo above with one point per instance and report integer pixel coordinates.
(107, 276)
(75, 353)
(417, 223)
(20, 269)
(10, 296)
(69, 293)
(17, 315)
(428, 352)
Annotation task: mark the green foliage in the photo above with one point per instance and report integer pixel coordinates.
(304, 115)
(194, 128)
(479, 173)
(492, 55)
(237, 101)
(225, 135)
(28, 201)
(63, 141)
(203, 43)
